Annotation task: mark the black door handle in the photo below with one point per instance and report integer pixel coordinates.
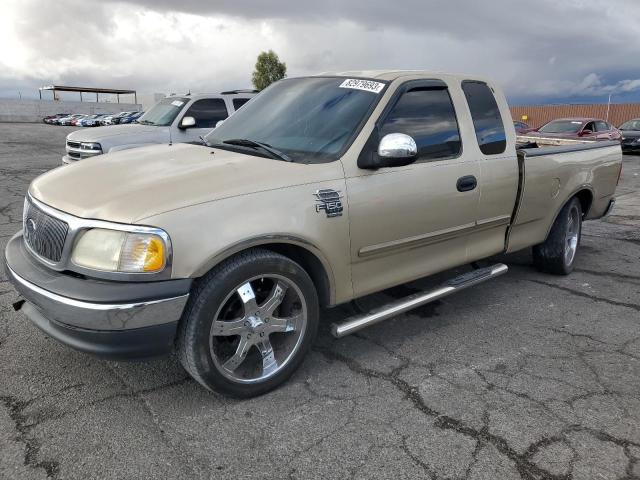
(466, 183)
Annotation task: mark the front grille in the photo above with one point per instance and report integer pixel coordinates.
(43, 233)
(628, 141)
(74, 154)
(73, 144)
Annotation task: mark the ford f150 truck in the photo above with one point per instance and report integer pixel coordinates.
(176, 118)
(320, 190)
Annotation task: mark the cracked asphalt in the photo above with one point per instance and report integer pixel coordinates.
(529, 376)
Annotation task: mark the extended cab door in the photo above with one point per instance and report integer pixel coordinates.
(407, 222)
(493, 146)
(206, 112)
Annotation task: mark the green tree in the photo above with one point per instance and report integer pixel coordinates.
(269, 69)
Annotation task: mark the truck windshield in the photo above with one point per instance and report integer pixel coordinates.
(311, 119)
(562, 126)
(164, 112)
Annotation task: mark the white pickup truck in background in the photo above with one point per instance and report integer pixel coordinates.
(176, 118)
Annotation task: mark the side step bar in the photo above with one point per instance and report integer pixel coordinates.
(358, 322)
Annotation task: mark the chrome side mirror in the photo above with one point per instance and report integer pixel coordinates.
(397, 146)
(187, 122)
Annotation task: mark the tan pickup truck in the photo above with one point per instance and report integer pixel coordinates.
(320, 190)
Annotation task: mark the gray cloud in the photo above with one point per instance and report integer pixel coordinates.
(545, 49)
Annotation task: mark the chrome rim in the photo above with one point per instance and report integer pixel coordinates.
(572, 236)
(258, 328)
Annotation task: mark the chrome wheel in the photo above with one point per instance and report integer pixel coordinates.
(258, 328)
(572, 236)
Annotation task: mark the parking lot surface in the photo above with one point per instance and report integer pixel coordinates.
(528, 376)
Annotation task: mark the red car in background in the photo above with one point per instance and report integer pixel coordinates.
(578, 129)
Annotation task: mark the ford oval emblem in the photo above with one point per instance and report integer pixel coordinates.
(31, 225)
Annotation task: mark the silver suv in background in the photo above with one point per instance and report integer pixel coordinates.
(176, 118)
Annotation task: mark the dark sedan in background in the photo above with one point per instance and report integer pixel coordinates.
(631, 136)
(578, 129)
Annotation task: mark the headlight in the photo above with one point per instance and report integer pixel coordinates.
(90, 146)
(116, 251)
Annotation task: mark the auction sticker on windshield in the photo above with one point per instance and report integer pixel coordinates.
(177, 103)
(366, 85)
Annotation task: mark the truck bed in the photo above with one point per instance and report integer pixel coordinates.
(550, 175)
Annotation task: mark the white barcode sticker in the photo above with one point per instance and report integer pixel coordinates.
(366, 85)
(177, 103)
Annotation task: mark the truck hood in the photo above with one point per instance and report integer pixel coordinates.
(131, 185)
(113, 135)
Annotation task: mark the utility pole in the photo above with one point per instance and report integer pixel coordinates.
(609, 105)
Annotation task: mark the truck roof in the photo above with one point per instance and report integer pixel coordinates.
(231, 94)
(391, 75)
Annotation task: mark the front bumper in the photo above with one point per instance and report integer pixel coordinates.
(75, 152)
(117, 320)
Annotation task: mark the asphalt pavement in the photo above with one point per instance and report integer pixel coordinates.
(528, 376)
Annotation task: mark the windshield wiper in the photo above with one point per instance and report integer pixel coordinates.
(145, 122)
(245, 142)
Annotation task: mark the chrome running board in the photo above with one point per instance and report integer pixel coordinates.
(358, 322)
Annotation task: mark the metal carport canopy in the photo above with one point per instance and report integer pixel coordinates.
(81, 90)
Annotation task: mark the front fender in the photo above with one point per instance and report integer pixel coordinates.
(204, 235)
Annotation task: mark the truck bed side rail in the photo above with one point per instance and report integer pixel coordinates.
(574, 147)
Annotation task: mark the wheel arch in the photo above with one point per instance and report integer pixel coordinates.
(302, 252)
(584, 194)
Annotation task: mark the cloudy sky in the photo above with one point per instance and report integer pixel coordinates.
(541, 50)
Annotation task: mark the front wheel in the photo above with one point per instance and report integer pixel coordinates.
(557, 253)
(249, 323)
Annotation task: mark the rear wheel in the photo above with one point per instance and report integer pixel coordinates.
(557, 253)
(249, 324)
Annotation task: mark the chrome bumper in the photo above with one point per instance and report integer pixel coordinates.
(74, 154)
(98, 316)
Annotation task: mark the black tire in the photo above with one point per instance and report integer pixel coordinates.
(553, 256)
(211, 293)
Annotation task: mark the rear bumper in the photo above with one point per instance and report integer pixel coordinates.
(612, 204)
(116, 320)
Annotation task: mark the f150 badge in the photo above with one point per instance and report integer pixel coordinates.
(328, 200)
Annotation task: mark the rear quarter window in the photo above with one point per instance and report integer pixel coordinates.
(487, 120)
